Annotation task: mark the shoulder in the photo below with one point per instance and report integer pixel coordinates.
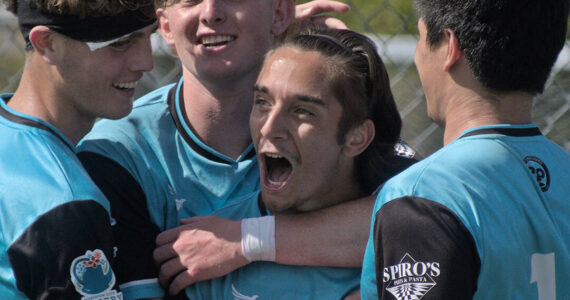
(444, 174)
(126, 134)
(53, 173)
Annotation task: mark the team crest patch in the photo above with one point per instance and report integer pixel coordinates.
(93, 276)
(539, 171)
(410, 279)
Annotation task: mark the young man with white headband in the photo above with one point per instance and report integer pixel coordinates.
(83, 60)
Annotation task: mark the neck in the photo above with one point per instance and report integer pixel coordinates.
(38, 96)
(219, 114)
(472, 110)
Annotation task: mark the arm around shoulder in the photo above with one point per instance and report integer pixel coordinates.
(335, 236)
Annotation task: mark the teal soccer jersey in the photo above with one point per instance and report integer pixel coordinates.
(267, 280)
(155, 171)
(485, 217)
(55, 228)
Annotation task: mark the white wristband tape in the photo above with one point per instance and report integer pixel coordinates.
(258, 238)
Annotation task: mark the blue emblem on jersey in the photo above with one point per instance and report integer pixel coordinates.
(539, 170)
(93, 277)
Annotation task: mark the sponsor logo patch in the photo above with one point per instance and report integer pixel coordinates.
(93, 277)
(539, 170)
(410, 279)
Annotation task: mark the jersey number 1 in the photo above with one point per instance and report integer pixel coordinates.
(542, 272)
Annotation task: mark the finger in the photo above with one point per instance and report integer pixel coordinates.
(167, 236)
(192, 220)
(316, 7)
(164, 253)
(354, 296)
(169, 270)
(181, 281)
(329, 22)
(196, 219)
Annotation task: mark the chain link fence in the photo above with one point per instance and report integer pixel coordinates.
(391, 23)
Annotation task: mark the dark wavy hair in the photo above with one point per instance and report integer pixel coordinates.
(358, 78)
(164, 3)
(511, 45)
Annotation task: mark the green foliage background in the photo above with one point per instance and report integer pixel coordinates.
(383, 16)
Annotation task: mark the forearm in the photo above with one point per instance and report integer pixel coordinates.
(335, 236)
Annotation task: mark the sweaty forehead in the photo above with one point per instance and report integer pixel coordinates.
(297, 75)
(306, 62)
(304, 68)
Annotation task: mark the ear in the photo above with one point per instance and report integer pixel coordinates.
(453, 53)
(284, 13)
(164, 26)
(358, 139)
(44, 42)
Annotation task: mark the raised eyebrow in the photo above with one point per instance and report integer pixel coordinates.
(261, 89)
(310, 99)
(302, 98)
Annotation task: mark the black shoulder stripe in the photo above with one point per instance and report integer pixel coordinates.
(411, 230)
(100, 167)
(42, 256)
(135, 232)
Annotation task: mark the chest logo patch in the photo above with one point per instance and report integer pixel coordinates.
(410, 279)
(539, 170)
(93, 277)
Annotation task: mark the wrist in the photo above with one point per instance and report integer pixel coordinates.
(258, 238)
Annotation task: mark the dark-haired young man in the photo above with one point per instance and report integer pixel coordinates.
(83, 60)
(322, 137)
(487, 216)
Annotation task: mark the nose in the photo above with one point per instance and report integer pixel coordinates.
(141, 58)
(212, 12)
(274, 126)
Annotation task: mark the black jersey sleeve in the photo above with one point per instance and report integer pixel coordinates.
(65, 252)
(135, 233)
(422, 249)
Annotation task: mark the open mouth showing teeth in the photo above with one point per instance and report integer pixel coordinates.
(216, 40)
(278, 169)
(125, 85)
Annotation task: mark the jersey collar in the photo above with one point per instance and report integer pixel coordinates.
(178, 113)
(26, 120)
(526, 130)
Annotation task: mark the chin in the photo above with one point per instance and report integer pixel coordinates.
(120, 111)
(275, 205)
